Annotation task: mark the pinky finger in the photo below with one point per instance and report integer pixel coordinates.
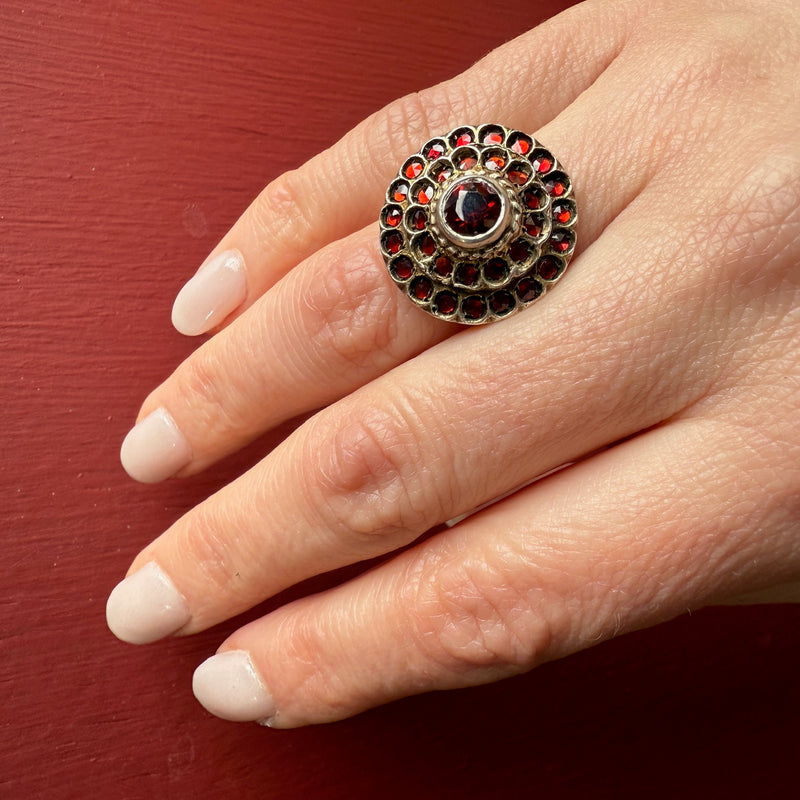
(621, 541)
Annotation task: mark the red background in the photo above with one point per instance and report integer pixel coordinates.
(131, 137)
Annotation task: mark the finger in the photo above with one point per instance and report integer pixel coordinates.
(335, 323)
(338, 191)
(624, 540)
(347, 485)
(225, 395)
(489, 412)
(623, 349)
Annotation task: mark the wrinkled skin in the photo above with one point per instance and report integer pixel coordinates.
(664, 364)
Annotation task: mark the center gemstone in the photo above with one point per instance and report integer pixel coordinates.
(473, 209)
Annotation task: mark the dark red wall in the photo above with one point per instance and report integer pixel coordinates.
(131, 136)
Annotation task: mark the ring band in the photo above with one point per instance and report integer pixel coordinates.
(478, 224)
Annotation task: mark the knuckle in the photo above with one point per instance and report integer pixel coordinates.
(280, 210)
(760, 214)
(748, 236)
(472, 615)
(353, 312)
(775, 185)
(220, 566)
(366, 478)
(711, 52)
(206, 396)
(408, 115)
(403, 125)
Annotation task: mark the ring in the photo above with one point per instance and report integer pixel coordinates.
(478, 224)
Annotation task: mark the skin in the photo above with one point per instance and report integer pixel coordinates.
(664, 365)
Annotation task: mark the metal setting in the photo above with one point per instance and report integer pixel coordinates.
(517, 232)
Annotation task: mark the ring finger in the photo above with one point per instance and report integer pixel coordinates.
(298, 213)
(331, 325)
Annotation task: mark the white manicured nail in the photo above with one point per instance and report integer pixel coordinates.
(155, 448)
(146, 606)
(228, 686)
(218, 287)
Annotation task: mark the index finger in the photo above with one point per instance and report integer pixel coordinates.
(340, 190)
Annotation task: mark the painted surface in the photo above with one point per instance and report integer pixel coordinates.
(131, 136)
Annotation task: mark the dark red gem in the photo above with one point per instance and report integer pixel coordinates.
(495, 270)
(519, 177)
(434, 151)
(392, 242)
(532, 199)
(556, 187)
(533, 227)
(541, 164)
(467, 162)
(403, 268)
(466, 274)
(473, 307)
(495, 162)
(548, 268)
(393, 217)
(528, 289)
(521, 145)
(493, 137)
(562, 213)
(519, 251)
(425, 194)
(441, 172)
(399, 191)
(464, 138)
(445, 303)
(443, 266)
(413, 169)
(501, 303)
(419, 219)
(472, 208)
(426, 245)
(421, 288)
(560, 241)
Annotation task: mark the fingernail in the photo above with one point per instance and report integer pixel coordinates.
(146, 606)
(218, 287)
(228, 686)
(154, 448)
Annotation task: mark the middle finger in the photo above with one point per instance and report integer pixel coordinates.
(336, 322)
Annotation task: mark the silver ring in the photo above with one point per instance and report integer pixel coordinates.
(478, 224)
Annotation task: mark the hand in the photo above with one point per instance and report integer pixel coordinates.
(663, 368)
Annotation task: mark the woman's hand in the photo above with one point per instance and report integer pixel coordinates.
(664, 365)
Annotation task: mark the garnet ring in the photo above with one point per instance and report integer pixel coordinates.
(478, 224)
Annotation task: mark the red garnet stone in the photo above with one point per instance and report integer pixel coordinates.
(472, 208)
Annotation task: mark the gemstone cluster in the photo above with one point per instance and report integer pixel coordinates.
(478, 224)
